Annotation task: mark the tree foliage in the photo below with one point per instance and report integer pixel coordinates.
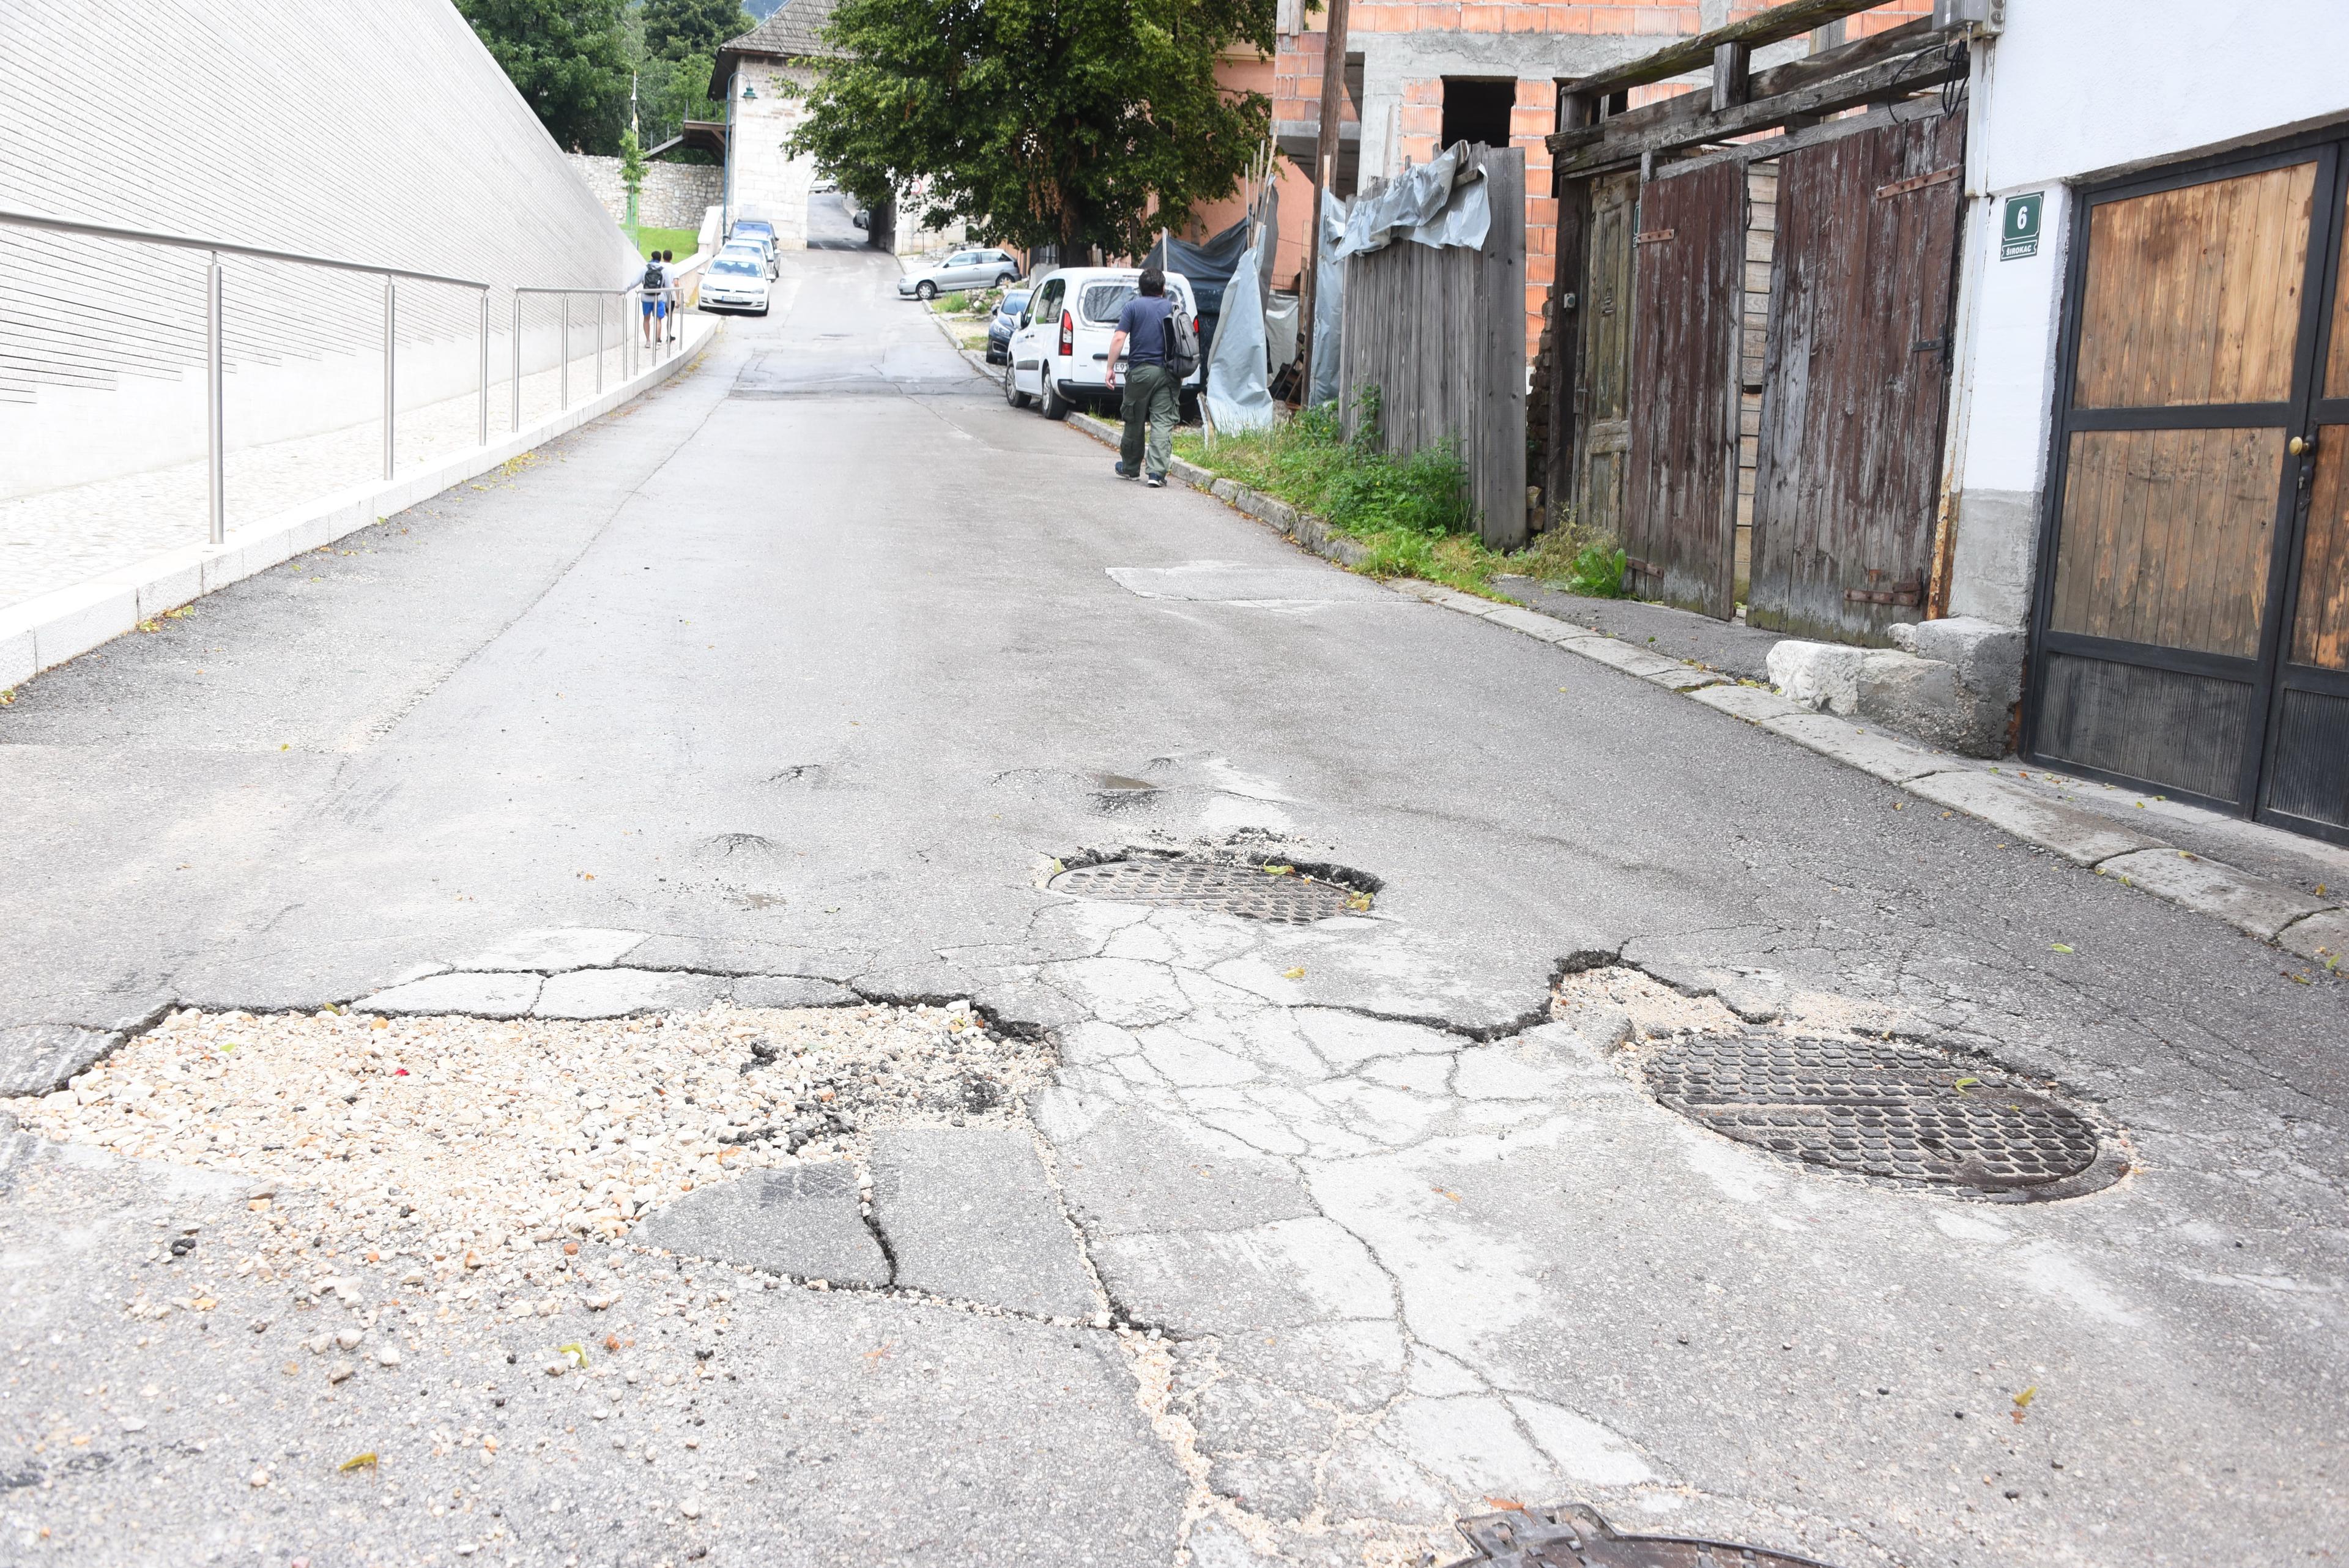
(568, 58)
(676, 28)
(1078, 123)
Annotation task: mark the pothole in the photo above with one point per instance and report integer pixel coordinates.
(1273, 891)
(1575, 1536)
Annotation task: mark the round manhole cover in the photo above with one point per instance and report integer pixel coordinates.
(1282, 894)
(1881, 1110)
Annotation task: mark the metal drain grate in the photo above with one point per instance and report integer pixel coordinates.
(1291, 898)
(1576, 1537)
(1879, 1110)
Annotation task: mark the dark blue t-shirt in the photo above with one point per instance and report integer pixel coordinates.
(1144, 322)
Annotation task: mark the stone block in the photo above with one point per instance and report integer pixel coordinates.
(620, 992)
(2249, 903)
(19, 660)
(475, 995)
(75, 620)
(1823, 676)
(804, 1222)
(970, 1216)
(1987, 657)
(37, 1058)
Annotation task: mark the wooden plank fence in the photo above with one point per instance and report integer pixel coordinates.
(1441, 334)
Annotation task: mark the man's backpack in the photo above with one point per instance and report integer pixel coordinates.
(1182, 343)
(653, 278)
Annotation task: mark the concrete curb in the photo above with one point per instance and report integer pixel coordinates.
(2257, 906)
(50, 629)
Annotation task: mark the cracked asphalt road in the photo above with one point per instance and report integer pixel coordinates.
(808, 665)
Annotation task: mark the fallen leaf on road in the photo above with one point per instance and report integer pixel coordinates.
(575, 1352)
(358, 1461)
(1962, 1084)
(2027, 1396)
(1296, 973)
(1502, 1502)
(2059, 947)
(1279, 871)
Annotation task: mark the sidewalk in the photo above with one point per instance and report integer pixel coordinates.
(82, 565)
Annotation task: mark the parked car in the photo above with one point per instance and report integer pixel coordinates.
(743, 226)
(826, 186)
(1002, 324)
(755, 246)
(736, 279)
(1060, 351)
(963, 269)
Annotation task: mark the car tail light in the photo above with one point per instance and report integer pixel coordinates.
(1068, 333)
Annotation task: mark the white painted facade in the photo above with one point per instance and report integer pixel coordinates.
(2072, 93)
(382, 133)
(764, 181)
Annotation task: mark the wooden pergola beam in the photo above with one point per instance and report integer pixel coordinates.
(1619, 144)
(1905, 39)
(1771, 26)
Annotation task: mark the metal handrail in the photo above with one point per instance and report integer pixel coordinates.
(215, 370)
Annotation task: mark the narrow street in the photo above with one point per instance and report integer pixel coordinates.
(744, 733)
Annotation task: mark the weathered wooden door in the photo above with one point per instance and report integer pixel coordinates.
(1855, 380)
(2192, 626)
(1603, 368)
(1680, 494)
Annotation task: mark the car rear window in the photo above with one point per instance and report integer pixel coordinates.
(737, 263)
(1101, 301)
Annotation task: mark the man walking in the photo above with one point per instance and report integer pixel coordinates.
(1151, 393)
(654, 289)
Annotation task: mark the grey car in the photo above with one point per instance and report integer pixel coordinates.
(983, 268)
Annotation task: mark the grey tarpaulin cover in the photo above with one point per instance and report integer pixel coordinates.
(1208, 262)
(1423, 204)
(1236, 395)
(1279, 331)
(1328, 291)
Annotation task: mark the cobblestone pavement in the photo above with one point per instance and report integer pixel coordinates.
(777, 712)
(60, 537)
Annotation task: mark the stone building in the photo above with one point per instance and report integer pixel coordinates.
(762, 77)
(673, 196)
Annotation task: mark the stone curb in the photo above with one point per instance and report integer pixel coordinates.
(46, 631)
(2256, 906)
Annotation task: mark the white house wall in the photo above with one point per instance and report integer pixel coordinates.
(383, 132)
(2075, 91)
(768, 183)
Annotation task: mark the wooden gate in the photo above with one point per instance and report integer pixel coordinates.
(1856, 381)
(1679, 501)
(1603, 367)
(2193, 613)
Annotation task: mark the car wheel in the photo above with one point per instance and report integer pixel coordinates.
(925, 291)
(1006, 279)
(1055, 406)
(1011, 392)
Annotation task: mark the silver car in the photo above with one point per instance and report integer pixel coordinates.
(962, 269)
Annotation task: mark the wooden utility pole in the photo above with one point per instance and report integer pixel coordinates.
(1325, 174)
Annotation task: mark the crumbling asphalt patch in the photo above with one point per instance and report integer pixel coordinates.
(1575, 1536)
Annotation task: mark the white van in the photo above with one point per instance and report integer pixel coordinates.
(1060, 351)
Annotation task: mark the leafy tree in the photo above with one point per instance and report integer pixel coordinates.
(568, 58)
(676, 28)
(1037, 121)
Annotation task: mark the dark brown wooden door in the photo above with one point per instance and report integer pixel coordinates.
(1855, 381)
(1603, 367)
(2193, 627)
(1680, 494)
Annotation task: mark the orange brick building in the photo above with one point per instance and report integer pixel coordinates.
(1422, 75)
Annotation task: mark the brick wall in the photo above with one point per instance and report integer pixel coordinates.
(674, 196)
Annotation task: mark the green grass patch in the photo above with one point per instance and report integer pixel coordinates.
(1412, 513)
(684, 241)
(953, 304)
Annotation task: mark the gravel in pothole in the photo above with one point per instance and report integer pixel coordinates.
(439, 1140)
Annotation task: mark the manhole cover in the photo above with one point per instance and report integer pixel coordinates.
(1880, 1110)
(1281, 894)
(1576, 1537)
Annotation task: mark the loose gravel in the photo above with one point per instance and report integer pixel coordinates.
(441, 1143)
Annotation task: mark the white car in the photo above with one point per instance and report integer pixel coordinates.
(1060, 351)
(762, 246)
(735, 280)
